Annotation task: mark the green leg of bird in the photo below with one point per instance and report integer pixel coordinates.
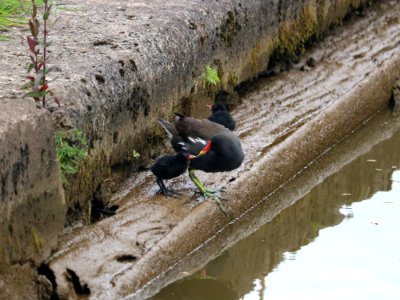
(201, 187)
(206, 192)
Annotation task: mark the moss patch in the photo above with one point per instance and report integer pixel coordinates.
(293, 35)
(71, 149)
(230, 28)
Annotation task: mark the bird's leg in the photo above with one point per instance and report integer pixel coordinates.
(201, 187)
(163, 189)
(205, 192)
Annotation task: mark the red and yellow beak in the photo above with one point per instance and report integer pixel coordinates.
(202, 152)
(209, 106)
(205, 149)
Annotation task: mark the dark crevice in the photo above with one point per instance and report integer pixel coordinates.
(74, 214)
(80, 289)
(126, 258)
(45, 270)
(100, 208)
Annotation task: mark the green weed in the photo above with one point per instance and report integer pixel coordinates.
(71, 149)
(210, 76)
(135, 154)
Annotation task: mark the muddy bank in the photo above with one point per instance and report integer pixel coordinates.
(288, 122)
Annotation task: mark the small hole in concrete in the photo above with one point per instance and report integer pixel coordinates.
(133, 63)
(126, 258)
(100, 78)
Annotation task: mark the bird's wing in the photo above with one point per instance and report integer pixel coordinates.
(202, 128)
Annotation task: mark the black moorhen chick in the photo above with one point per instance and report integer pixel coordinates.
(216, 148)
(221, 115)
(170, 166)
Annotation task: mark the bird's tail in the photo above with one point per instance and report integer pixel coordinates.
(169, 128)
(179, 115)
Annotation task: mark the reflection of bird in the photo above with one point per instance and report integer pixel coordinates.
(221, 115)
(217, 149)
(170, 166)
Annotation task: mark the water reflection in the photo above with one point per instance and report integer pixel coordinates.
(299, 254)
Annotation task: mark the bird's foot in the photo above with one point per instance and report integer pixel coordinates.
(217, 191)
(217, 199)
(210, 191)
(207, 193)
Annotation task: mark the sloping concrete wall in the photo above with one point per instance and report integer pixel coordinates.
(32, 206)
(141, 60)
(122, 67)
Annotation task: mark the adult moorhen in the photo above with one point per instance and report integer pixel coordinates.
(170, 166)
(191, 133)
(216, 148)
(221, 115)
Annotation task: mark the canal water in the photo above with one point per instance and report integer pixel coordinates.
(339, 241)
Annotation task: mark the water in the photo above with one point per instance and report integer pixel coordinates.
(339, 241)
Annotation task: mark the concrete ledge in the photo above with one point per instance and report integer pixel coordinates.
(291, 120)
(380, 128)
(32, 207)
(281, 164)
(136, 62)
(124, 66)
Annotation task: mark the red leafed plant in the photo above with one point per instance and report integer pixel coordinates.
(37, 83)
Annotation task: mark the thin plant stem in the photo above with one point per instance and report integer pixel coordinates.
(46, 7)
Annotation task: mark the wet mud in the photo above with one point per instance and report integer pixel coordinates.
(289, 121)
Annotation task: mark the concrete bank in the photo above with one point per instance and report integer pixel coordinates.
(32, 206)
(123, 66)
(285, 124)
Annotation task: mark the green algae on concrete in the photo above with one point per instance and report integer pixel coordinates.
(293, 34)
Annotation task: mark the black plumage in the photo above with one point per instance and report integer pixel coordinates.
(216, 148)
(221, 115)
(170, 166)
(224, 154)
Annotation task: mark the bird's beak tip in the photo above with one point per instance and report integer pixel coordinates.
(205, 149)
